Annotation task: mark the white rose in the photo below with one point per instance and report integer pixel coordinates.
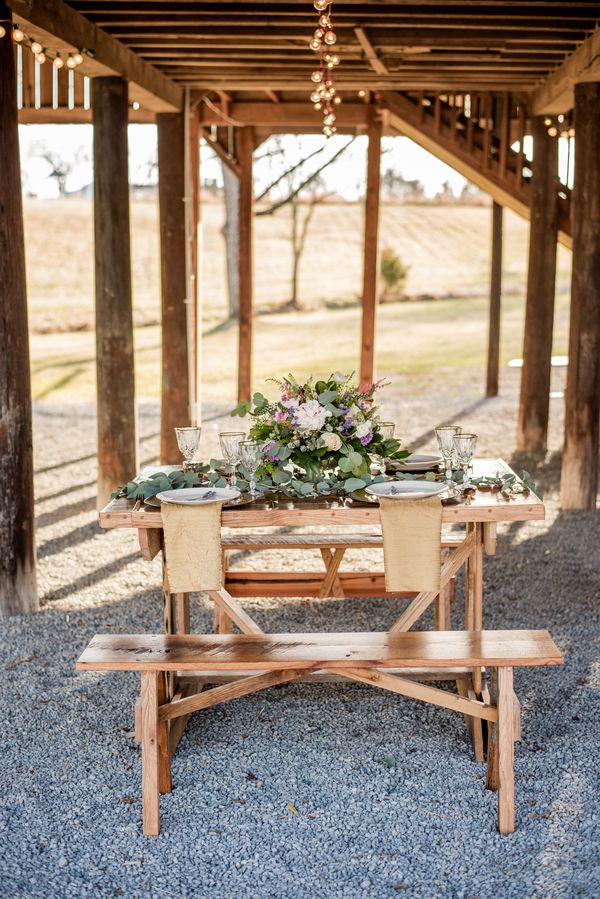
(310, 416)
(363, 429)
(331, 441)
(339, 377)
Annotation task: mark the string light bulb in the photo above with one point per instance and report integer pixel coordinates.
(2, 30)
(18, 35)
(41, 57)
(36, 48)
(553, 131)
(59, 61)
(71, 64)
(78, 58)
(324, 95)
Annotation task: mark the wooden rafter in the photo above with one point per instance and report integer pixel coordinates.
(370, 52)
(557, 93)
(58, 26)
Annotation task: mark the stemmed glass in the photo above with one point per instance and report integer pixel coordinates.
(188, 441)
(230, 447)
(445, 439)
(386, 429)
(464, 445)
(251, 457)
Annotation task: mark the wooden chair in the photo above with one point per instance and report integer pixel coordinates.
(279, 658)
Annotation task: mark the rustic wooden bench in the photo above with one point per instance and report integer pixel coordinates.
(273, 659)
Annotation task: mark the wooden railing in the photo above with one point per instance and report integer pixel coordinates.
(482, 135)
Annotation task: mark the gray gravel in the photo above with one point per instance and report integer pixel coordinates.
(301, 791)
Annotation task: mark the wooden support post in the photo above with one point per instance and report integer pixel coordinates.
(493, 358)
(18, 594)
(539, 313)
(579, 482)
(117, 432)
(193, 220)
(371, 252)
(174, 411)
(245, 149)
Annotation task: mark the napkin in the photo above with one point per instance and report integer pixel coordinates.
(193, 553)
(412, 536)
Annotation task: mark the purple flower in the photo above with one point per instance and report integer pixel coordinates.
(367, 438)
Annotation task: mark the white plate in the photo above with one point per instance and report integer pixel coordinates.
(416, 462)
(195, 496)
(406, 489)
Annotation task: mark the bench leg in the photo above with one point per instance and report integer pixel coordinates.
(150, 753)
(506, 752)
(164, 754)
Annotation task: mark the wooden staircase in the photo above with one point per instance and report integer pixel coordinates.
(475, 134)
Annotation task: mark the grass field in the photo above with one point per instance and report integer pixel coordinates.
(446, 248)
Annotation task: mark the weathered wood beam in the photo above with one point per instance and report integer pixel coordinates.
(62, 115)
(245, 149)
(58, 26)
(117, 438)
(557, 93)
(493, 356)
(285, 113)
(370, 52)
(534, 402)
(174, 410)
(18, 593)
(371, 251)
(579, 480)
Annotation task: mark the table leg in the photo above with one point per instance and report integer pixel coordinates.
(442, 602)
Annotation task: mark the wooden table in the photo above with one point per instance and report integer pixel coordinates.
(465, 547)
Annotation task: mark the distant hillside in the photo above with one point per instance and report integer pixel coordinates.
(445, 247)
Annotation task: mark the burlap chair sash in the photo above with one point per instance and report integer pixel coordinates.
(412, 533)
(193, 554)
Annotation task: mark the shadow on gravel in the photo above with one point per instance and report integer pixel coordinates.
(68, 511)
(91, 578)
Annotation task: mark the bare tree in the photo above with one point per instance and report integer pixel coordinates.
(60, 166)
(303, 193)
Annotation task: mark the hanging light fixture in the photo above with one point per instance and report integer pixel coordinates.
(324, 96)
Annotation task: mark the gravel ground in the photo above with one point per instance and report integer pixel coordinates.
(304, 790)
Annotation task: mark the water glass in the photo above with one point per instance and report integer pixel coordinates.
(230, 447)
(445, 439)
(188, 441)
(465, 445)
(251, 457)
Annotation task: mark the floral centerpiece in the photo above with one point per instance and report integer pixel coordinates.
(318, 434)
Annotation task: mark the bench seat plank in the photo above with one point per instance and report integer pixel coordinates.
(143, 652)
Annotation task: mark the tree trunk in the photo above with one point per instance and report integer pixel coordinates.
(18, 593)
(231, 233)
(579, 481)
(295, 254)
(117, 438)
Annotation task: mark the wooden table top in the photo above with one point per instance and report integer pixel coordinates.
(483, 506)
